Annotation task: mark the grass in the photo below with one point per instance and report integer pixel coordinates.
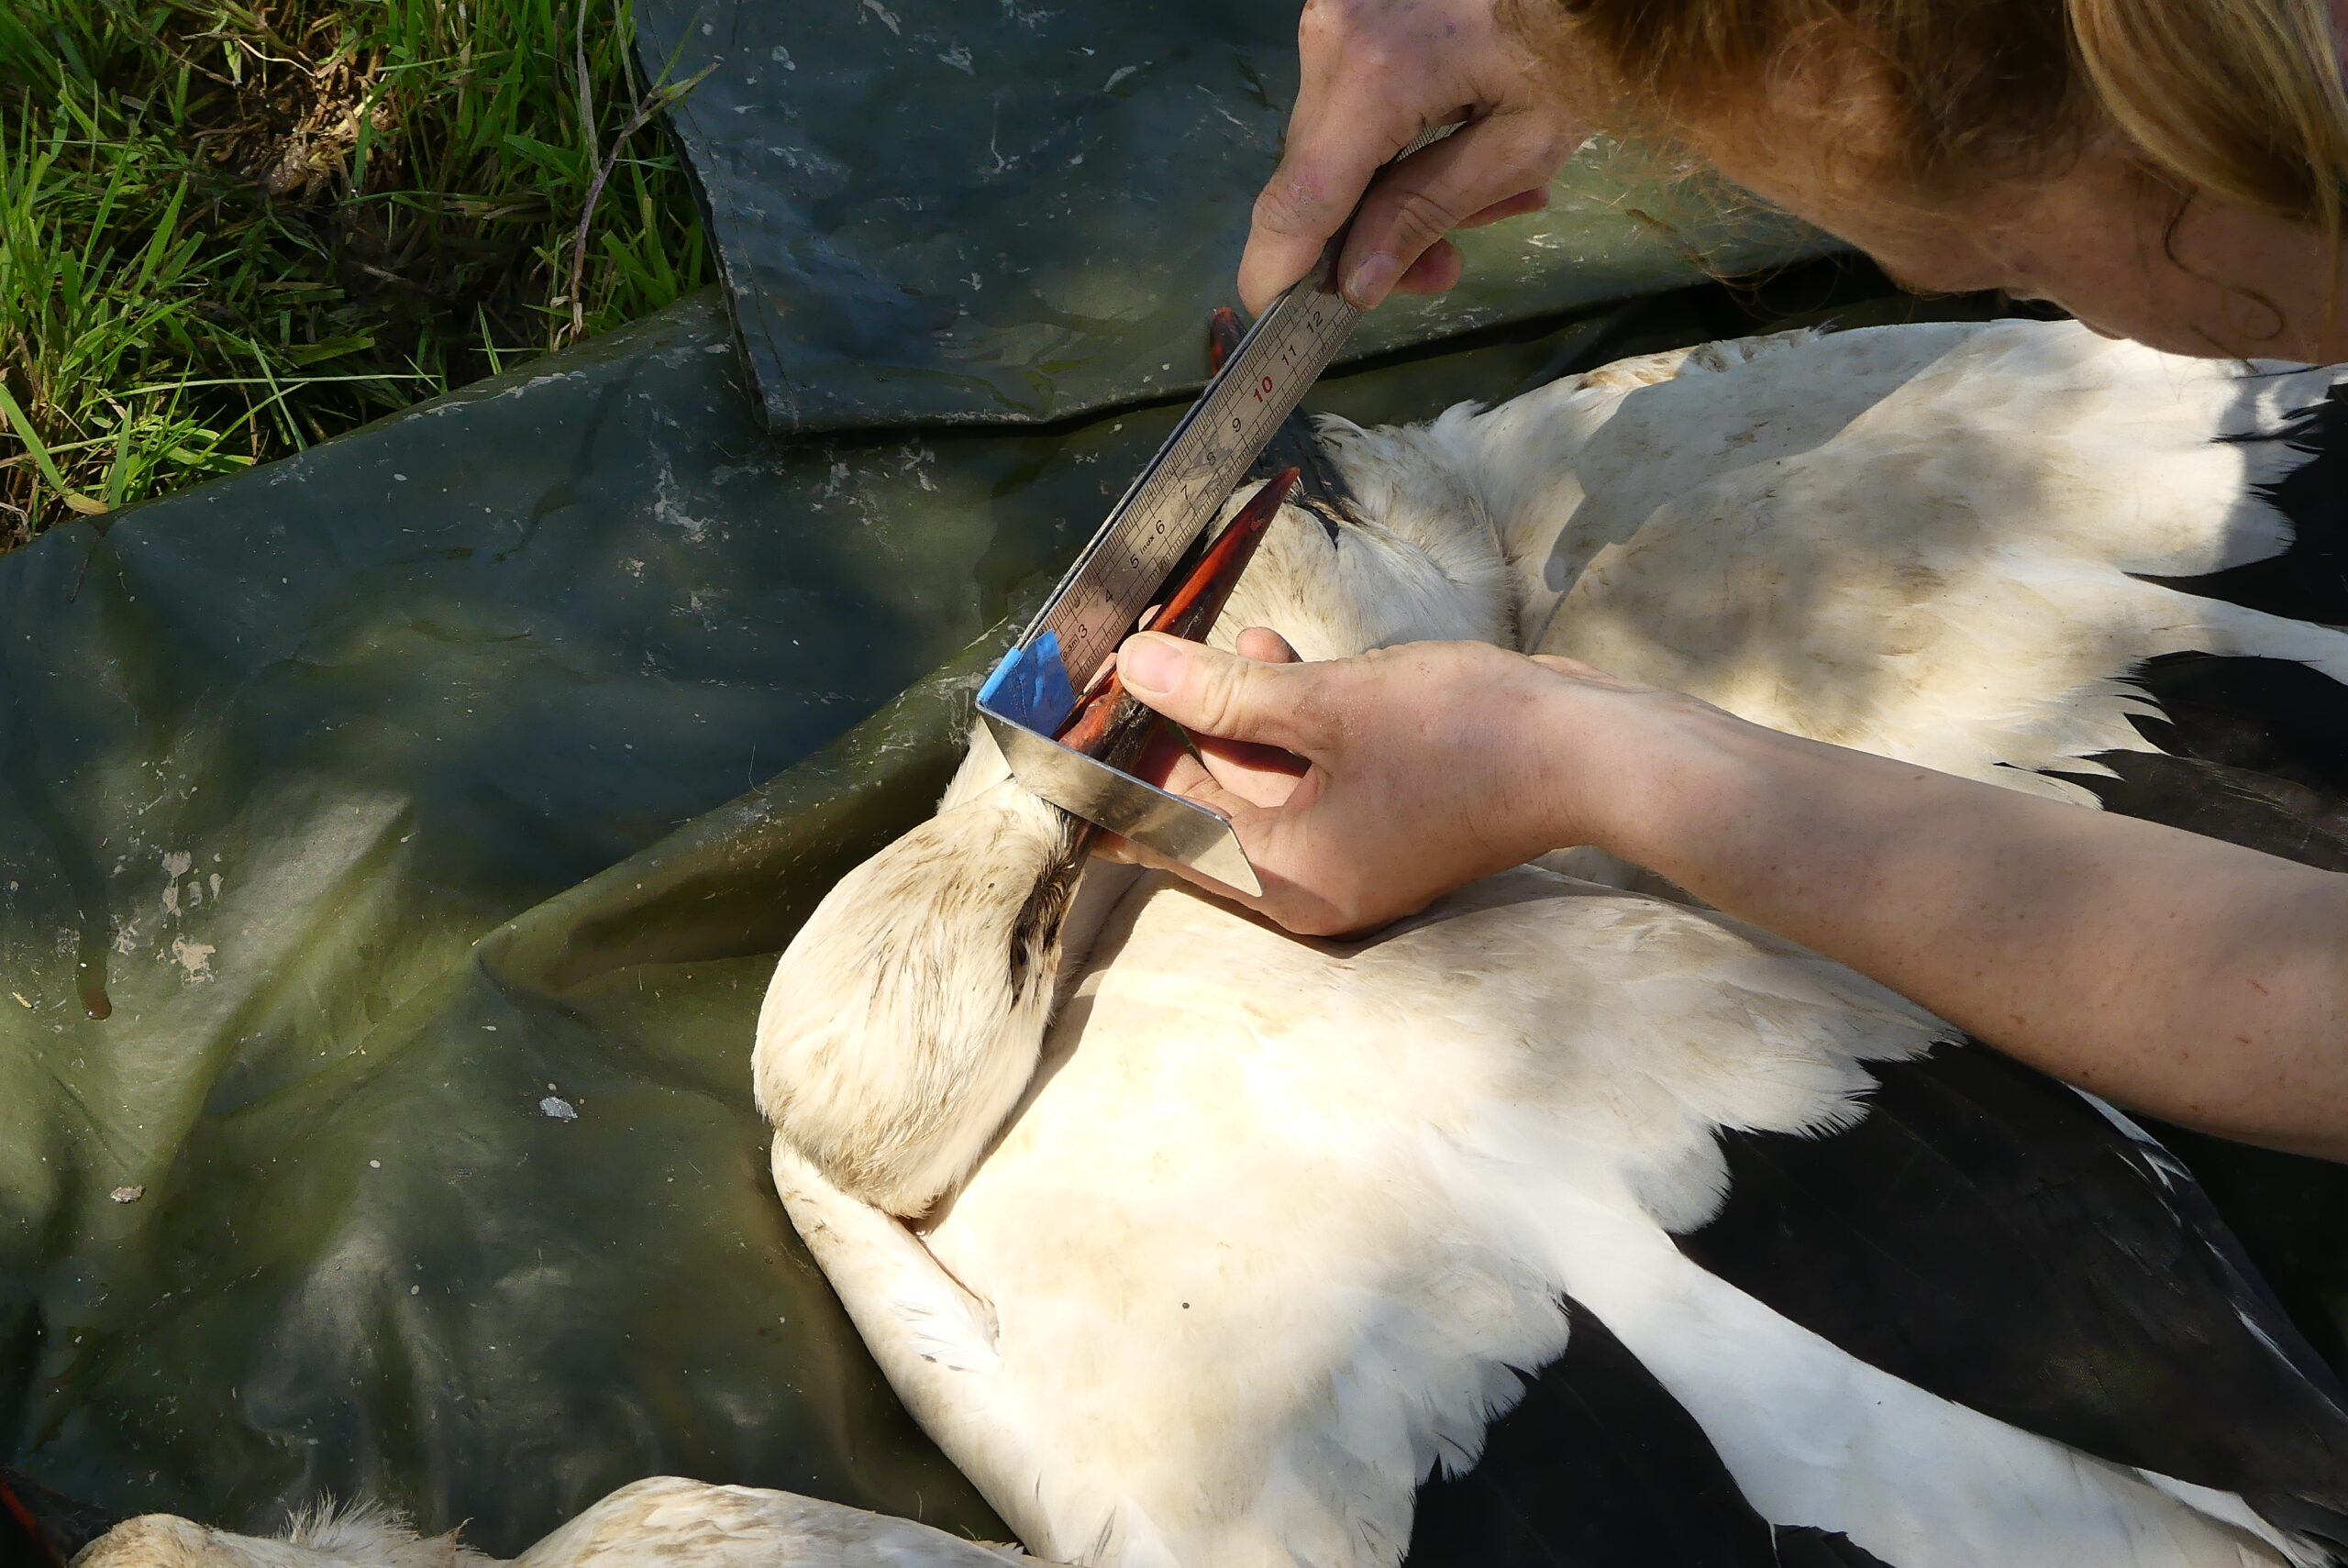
(229, 228)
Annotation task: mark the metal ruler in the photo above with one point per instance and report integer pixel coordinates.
(1180, 491)
(1125, 567)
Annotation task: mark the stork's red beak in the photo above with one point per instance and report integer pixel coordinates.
(1225, 329)
(50, 1527)
(1189, 612)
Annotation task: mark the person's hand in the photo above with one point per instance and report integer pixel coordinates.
(1375, 74)
(1361, 788)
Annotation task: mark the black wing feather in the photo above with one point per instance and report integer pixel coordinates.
(1989, 1235)
(1599, 1466)
(2308, 581)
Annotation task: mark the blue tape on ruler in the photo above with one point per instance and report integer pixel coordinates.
(1030, 687)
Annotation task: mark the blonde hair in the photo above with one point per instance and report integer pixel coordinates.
(2240, 99)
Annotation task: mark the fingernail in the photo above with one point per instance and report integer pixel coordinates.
(1153, 665)
(1373, 280)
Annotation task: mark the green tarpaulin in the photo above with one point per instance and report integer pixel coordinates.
(1000, 212)
(395, 843)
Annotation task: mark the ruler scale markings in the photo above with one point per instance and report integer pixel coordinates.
(1119, 573)
(1124, 566)
(1182, 488)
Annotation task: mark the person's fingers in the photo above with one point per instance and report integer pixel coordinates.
(1290, 903)
(1194, 783)
(1261, 775)
(1337, 141)
(1190, 782)
(1165, 748)
(1524, 201)
(1127, 852)
(1442, 187)
(1215, 693)
(1266, 647)
(1177, 772)
(1436, 272)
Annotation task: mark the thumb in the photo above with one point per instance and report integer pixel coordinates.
(1221, 694)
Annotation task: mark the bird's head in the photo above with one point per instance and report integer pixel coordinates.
(904, 1019)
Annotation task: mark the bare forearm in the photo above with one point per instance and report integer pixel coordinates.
(2200, 981)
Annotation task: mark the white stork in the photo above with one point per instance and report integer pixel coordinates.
(1565, 1222)
(1562, 1217)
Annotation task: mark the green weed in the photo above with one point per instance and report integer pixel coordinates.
(229, 230)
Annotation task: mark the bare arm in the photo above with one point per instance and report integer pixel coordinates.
(2199, 980)
(2195, 979)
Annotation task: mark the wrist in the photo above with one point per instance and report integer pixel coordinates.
(1650, 777)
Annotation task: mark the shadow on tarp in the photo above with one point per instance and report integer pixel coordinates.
(988, 212)
(402, 803)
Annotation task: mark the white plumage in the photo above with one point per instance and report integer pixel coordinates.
(662, 1522)
(1216, 1268)
(1924, 542)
